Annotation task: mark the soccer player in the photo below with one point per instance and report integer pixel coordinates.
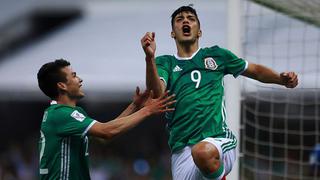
(202, 145)
(63, 142)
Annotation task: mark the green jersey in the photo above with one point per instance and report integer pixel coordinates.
(63, 143)
(198, 84)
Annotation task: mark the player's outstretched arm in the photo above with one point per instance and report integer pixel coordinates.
(267, 75)
(139, 99)
(152, 78)
(118, 126)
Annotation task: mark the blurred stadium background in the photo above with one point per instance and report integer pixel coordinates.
(279, 128)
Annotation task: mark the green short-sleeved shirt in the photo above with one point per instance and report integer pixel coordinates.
(63, 144)
(198, 85)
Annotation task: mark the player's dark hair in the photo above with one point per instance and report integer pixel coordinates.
(184, 9)
(49, 75)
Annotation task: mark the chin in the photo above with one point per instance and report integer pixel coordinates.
(81, 95)
(77, 96)
(188, 40)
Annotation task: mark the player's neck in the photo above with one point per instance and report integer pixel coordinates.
(188, 50)
(64, 99)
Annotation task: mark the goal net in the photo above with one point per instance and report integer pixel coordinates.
(280, 128)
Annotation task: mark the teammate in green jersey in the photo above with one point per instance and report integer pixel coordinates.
(63, 144)
(202, 145)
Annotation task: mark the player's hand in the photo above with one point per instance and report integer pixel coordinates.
(161, 104)
(140, 98)
(149, 45)
(289, 79)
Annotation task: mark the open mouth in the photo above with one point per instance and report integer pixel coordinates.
(186, 30)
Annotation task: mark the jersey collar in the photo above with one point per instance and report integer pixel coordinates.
(186, 58)
(53, 102)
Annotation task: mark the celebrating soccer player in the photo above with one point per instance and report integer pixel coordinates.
(202, 145)
(64, 128)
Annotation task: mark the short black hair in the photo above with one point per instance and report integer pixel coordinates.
(184, 9)
(49, 75)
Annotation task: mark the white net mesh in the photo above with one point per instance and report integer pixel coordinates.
(305, 10)
(280, 127)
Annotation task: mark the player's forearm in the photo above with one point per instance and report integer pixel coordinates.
(267, 75)
(263, 74)
(152, 78)
(120, 125)
(129, 110)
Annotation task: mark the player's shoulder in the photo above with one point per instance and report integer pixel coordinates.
(164, 58)
(211, 48)
(59, 113)
(61, 110)
(220, 52)
(62, 107)
(215, 49)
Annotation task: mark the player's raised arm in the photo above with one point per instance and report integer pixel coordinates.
(118, 126)
(152, 78)
(267, 75)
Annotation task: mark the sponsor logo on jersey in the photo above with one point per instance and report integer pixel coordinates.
(78, 116)
(177, 68)
(210, 63)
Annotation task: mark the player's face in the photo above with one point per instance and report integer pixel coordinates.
(73, 84)
(186, 28)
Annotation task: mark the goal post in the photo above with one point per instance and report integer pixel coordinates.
(232, 86)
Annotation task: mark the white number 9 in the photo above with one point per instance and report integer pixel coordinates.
(196, 78)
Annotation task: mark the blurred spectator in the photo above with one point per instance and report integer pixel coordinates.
(314, 160)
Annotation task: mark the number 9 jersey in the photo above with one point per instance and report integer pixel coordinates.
(198, 84)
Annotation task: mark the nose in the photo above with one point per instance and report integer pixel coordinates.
(185, 21)
(80, 80)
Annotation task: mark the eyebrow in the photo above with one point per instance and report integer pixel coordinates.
(187, 16)
(179, 16)
(191, 15)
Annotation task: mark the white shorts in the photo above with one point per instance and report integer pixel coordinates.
(183, 167)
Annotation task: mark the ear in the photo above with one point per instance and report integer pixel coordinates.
(199, 33)
(61, 86)
(173, 35)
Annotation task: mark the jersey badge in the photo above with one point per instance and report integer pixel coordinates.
(210, 63)
(177, 68)
(78, 116)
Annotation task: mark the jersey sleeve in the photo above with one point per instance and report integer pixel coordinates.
(233, 64)
(72, 122)
(163, 68)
